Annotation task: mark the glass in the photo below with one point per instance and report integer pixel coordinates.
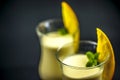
(73, 65)
(50, 40)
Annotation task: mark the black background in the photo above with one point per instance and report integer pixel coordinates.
(19, 44)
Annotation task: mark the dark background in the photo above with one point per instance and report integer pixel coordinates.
(19, 44)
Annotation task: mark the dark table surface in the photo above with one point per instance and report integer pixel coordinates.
(19, 44)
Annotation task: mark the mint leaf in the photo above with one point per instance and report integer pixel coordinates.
(96, 55)
(90, 55)
(93, 59)
(89, 63)
(95, 62)
(62, 31)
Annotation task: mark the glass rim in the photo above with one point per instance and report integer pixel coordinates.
(44, 22)
(77, 67)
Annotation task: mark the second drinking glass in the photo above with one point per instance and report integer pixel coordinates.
(50, 41)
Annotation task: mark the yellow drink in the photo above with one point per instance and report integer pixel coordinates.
(48, 67)
(79, 72)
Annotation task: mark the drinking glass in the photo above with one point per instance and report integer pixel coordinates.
(50, 40)
(73, 64)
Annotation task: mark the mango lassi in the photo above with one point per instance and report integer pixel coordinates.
(76, 69)
(49, 67)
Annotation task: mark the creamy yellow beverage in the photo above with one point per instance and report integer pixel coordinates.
(49, 67)
(78, 73)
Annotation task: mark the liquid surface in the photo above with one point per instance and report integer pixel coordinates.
(55, 40)
(80, 60)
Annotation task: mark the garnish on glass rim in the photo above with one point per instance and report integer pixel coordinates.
(104, 48)
(71, 23)
(93, 59)
(62, 31)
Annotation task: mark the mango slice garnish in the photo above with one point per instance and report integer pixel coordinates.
(104, 47)
(71, 23)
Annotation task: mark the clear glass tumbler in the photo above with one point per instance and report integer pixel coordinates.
(50, 40)
(73, 65)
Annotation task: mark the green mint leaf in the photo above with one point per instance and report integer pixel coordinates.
(62, 31)
(96, 55)
(95, 62)
(90, 55)
(93, 59)
(89, 63)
